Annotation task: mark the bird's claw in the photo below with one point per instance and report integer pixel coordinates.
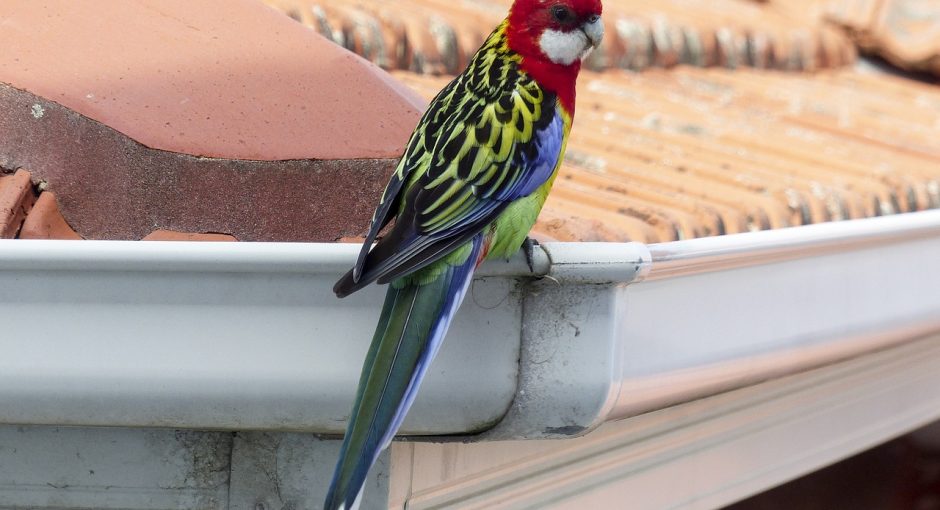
(528, 247)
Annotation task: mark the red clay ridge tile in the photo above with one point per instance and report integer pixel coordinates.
(109, 187)
(115, 113)
(170, 235)
(16, 198)
(44, 221)
(216, 78)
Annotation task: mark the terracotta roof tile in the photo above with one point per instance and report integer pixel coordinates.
(696, 152)
(170, 235)
(904, 32)
(44, 221)
(116, 112)
(179, 76)
(23, 215)
(654, 156)
(16, 198)
(437, 36)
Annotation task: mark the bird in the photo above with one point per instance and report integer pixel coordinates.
(469, 186)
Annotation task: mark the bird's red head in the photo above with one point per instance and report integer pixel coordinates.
(553, 36)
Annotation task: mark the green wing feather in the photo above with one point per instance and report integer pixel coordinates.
(459, 168)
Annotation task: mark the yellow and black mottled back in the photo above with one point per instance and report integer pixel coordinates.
(461, 167)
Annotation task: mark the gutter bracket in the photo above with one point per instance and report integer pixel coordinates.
(570, 359)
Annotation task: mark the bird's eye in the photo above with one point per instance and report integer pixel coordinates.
(562, 14)
(593, 18)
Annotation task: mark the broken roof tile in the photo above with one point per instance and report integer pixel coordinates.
(171, 235)
(44, 221)
(16, 198)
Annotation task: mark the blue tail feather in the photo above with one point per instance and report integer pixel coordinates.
(409, 334)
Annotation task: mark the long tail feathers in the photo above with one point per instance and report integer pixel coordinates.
(409, 333)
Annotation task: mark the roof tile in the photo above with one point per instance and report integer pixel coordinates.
(171, 235)
(116, 112)
(44, 221)
(16, 198)
(219, 78)
(666, 155)
(438, 36)
(655, 156)
(904, 32)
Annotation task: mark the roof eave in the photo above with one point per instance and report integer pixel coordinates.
(249, 335)
(709, 315)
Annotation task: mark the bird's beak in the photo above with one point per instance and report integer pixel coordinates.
(594, 30)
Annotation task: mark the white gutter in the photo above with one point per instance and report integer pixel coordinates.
(221, 336)
(709, 315)
(249, 336)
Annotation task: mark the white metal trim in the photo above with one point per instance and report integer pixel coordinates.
(71, 357)
(698, 455)
(711, 315)
(694, 256)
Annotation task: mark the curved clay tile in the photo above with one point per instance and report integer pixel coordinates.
(16, 198)
(903, 32)
(731, 33)
(111, 187)
(218, 78)
(665, 155)
(116, 107)
(44, 221)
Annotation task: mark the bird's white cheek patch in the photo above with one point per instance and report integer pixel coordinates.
(563, 47)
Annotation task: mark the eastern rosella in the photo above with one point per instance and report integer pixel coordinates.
(469, 186)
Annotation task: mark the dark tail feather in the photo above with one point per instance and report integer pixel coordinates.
(347, 285)
(409, 333)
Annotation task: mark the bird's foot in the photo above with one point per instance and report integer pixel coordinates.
(528, 247)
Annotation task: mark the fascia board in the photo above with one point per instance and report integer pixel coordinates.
(702, 454)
